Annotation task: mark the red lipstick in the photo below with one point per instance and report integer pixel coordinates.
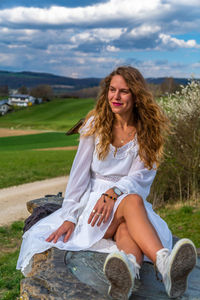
(116, 103)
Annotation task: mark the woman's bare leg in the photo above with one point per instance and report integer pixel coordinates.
(140, 229)
(126, 243)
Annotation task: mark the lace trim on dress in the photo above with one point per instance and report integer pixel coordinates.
(122, 152)
(113, 178)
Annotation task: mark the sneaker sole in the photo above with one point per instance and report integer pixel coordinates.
(184, 258)
(119, 277)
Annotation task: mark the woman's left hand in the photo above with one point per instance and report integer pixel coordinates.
(102, 209)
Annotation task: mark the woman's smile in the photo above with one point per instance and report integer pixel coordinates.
(120, 97)
(117, 103)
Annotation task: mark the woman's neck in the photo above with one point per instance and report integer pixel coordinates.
(123, 121)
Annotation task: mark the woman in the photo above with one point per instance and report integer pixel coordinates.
(120, 147)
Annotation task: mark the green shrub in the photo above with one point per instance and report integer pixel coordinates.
(179, 174)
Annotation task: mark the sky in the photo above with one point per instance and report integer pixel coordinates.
(77, 38)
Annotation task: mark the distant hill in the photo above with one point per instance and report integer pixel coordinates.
(159, 80)
(15, 80)
(30, 79)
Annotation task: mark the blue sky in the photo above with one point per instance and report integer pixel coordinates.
(89, 38)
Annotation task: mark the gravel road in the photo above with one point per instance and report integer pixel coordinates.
(13, 199)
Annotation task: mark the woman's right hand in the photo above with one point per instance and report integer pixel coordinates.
(65, 229)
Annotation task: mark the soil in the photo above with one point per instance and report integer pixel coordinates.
(57, 148)
(13, 199)
(14, 132)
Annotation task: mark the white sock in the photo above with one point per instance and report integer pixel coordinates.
(136, 266)
(162, 259)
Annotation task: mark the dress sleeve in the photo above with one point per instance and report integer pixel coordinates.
(79, 179)
(138, 181)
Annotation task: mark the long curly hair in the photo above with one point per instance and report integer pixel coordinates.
(151, 123)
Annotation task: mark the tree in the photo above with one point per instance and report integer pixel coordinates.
(43, 91)
(23, 90)
(4, 90)
(169, 85)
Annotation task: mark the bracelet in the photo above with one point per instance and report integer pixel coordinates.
(111, 197)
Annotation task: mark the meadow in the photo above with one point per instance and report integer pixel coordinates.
(56, 115)
(19, 160)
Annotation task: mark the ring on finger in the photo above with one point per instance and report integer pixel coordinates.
(94, 211)
(99, 214)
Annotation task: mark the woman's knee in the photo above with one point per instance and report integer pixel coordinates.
(133, 200)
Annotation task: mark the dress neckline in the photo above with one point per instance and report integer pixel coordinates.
(125, 145)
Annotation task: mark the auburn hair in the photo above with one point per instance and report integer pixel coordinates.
(151, 123)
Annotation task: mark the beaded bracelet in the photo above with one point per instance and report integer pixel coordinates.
(111, 197)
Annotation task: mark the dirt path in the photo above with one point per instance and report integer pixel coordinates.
(14, 132)
(13, 199)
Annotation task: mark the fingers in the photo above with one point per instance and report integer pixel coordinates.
(92, 215)
(51, 237)
(67, 236)
(66, 229)
(101, 219)
(97, 217)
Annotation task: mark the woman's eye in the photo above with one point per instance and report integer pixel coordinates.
(125, 91)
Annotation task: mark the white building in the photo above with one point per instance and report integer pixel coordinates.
(4, 107)
(21, 100)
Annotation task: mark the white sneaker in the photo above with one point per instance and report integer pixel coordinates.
(176, 266)
(121, 270)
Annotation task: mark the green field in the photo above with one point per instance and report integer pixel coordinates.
(20, 162)
(59, 115)
(18, 167)
(38, 141)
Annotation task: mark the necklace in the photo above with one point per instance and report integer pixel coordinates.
(129, 135)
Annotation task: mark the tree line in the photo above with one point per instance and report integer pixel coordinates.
(46, 92)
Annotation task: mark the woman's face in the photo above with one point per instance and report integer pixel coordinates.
(119, 96)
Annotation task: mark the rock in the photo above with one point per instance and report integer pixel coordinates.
(51, 279)
(54, 199)
(57, 274)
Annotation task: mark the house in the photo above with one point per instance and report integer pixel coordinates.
(4, 107)
(21, 100)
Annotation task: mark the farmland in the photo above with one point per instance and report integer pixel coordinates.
(56, 115)
(21, 157)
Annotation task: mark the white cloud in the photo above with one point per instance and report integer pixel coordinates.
(113, 10)
(172, 42)
(112, 49)
(89, 41)
(144, 30)
(196, 65)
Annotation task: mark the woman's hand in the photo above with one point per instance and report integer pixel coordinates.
(102, 209)
(65, 229)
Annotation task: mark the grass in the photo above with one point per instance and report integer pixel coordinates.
(59, 115)
(183, 221)
(37, 141)
(10, 239)
(20, 167)
(20, 164)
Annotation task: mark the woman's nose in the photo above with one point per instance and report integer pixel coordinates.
(117, 95)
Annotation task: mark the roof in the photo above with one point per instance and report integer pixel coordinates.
(75, 128)
(4, 101)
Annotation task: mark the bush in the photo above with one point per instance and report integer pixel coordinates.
(179, 175)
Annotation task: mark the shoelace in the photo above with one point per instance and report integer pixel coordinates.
(135, 265)
(161, 259)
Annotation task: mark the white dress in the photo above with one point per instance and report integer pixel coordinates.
(89, 178)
